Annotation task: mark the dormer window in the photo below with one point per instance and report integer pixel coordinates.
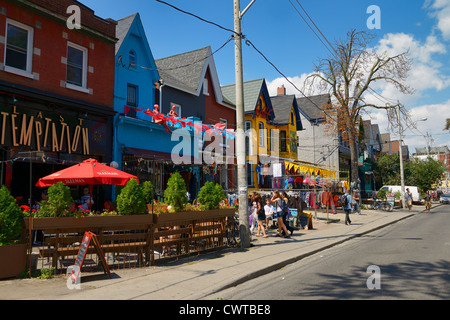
(132, 59)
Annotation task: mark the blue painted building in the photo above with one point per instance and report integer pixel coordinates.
(141, 146)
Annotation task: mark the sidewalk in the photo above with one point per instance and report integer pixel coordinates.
(200, 277)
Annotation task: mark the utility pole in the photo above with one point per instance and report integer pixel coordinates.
(400, 152)
(244, 228)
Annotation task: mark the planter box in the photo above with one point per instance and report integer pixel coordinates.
(164, 218)
(12, 260)
(87, 223)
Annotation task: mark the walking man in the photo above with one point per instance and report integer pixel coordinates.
(347, 206)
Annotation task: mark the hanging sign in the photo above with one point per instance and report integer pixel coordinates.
(88, 236)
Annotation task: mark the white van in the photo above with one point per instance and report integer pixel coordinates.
(414, 191)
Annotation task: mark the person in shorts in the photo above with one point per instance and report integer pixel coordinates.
(427, 199)
(408, 198)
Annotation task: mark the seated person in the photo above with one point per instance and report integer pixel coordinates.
(86, 199)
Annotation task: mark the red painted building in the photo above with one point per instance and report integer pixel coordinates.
(56, 89)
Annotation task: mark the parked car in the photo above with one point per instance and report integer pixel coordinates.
(445, 198)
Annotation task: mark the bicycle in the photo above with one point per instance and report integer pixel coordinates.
(233, 229)
(385, 206)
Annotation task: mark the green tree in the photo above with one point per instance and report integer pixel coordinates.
(59, 199)
(175, 193)
(147, 189)
(10, 217)
(387, 170)
(210, 195)
(424, 173)
(131, 199)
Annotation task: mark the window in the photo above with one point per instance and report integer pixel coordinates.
(248, 137)
(292, 119)
(132, 99)
(224, 141)
(283, 142)
(19, 48)
(132, 59)
(205, 87)
(76, 66)
(261, 134)
(249, 167)
(272, 140)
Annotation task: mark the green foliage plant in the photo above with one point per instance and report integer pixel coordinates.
(210, 195)
(147, 189)
(59, 199)
(175, 193)
(10, 217)
(131, 199)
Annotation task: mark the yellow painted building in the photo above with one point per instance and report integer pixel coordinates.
(271, 126)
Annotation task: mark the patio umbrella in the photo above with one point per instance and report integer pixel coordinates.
(88, 172)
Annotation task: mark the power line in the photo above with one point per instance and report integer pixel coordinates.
(329, 47)
(195, 16)
(248, 42)
(182, 66)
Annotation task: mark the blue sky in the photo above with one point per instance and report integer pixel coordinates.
(278, 31)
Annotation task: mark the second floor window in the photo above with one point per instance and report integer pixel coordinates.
(283, 142)
(132, 99)
(261, 134)
(19, 46)
(76, 65)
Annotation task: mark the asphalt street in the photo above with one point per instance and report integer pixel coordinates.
(412, 258)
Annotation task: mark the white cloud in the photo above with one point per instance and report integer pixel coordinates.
(298, 81)
(425, 70)
(435, 115)
(440, 9)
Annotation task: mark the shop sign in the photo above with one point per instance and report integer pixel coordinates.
(43, 132)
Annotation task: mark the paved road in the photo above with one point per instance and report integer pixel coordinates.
(413, 257)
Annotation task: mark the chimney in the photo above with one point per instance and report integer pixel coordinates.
(281, 91)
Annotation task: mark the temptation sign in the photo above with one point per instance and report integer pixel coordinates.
(88, 236)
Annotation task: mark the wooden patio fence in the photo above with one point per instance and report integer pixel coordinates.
(127, 241)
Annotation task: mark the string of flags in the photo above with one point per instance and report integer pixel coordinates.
(173, 121)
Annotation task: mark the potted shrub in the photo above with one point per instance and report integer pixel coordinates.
(131, 199)
(147, 189)
(59, 199)
(12, 254)
(175, 193)
(211, 195)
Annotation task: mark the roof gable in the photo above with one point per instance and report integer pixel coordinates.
(186, 71)
(252, 93)
(282, 106)
(312, 107)
(131, 26)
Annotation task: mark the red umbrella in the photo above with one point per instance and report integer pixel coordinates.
(88, 172)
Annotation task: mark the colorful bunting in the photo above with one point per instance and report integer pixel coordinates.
(178, 122)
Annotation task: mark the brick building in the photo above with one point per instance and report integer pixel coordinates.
(56, 90)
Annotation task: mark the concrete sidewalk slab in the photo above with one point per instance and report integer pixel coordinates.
(199, 277)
